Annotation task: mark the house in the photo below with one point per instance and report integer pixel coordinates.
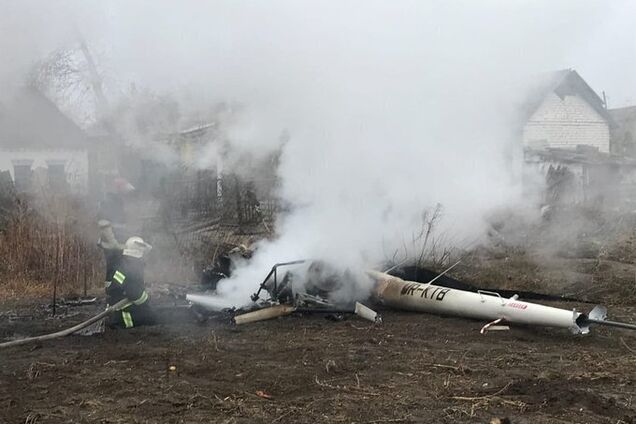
(196, 183)
(572, 149)
(41, 147)
(624, 132)
(563, 112)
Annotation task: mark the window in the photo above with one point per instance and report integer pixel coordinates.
(22, 177)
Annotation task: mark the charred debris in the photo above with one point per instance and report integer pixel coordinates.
(301, 287)
(314, 287)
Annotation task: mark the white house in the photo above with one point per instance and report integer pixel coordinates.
(41, 147)
(563, 112)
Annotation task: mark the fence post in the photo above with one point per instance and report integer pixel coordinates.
(57, 267)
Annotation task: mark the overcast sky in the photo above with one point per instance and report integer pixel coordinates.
(170, 43)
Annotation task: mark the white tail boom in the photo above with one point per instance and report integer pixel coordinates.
(483, 305)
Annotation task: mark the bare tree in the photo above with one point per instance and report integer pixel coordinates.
(64, 77)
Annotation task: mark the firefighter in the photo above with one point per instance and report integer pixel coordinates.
(111, 223)
(111, 247)
(128, 282)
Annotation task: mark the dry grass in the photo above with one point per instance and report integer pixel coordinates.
(48, 245)
(22, 288)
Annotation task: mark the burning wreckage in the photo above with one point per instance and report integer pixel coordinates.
(299, 286)
(313, 287)
(310, 287)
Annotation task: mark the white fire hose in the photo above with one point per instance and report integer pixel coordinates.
(116, 307)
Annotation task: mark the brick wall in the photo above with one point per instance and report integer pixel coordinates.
(566, 123)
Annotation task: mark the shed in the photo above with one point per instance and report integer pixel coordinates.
(624, 133)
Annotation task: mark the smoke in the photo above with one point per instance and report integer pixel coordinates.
(392, 107)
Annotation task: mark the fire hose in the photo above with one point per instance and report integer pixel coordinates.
(116, 307)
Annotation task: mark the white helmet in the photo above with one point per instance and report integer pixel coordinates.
(136, 247)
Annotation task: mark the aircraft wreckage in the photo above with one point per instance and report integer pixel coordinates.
(446, 297)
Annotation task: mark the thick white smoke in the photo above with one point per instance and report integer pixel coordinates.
(390, 111)
(392, 107)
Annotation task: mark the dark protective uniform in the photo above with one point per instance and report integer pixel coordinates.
(111, 218)
(128, 282)
(113, 257)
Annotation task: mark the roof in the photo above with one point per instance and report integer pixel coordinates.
(197, 130)
(565, 82)
(31, 120)
(196, 134)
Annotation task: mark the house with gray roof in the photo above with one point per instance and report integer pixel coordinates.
(42, 148)
(564, 112)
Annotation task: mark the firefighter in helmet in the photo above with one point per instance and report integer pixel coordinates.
(128, 282)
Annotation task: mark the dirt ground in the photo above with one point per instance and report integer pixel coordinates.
(411, 368)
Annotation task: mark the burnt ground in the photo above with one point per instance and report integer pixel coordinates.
(412, 368)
